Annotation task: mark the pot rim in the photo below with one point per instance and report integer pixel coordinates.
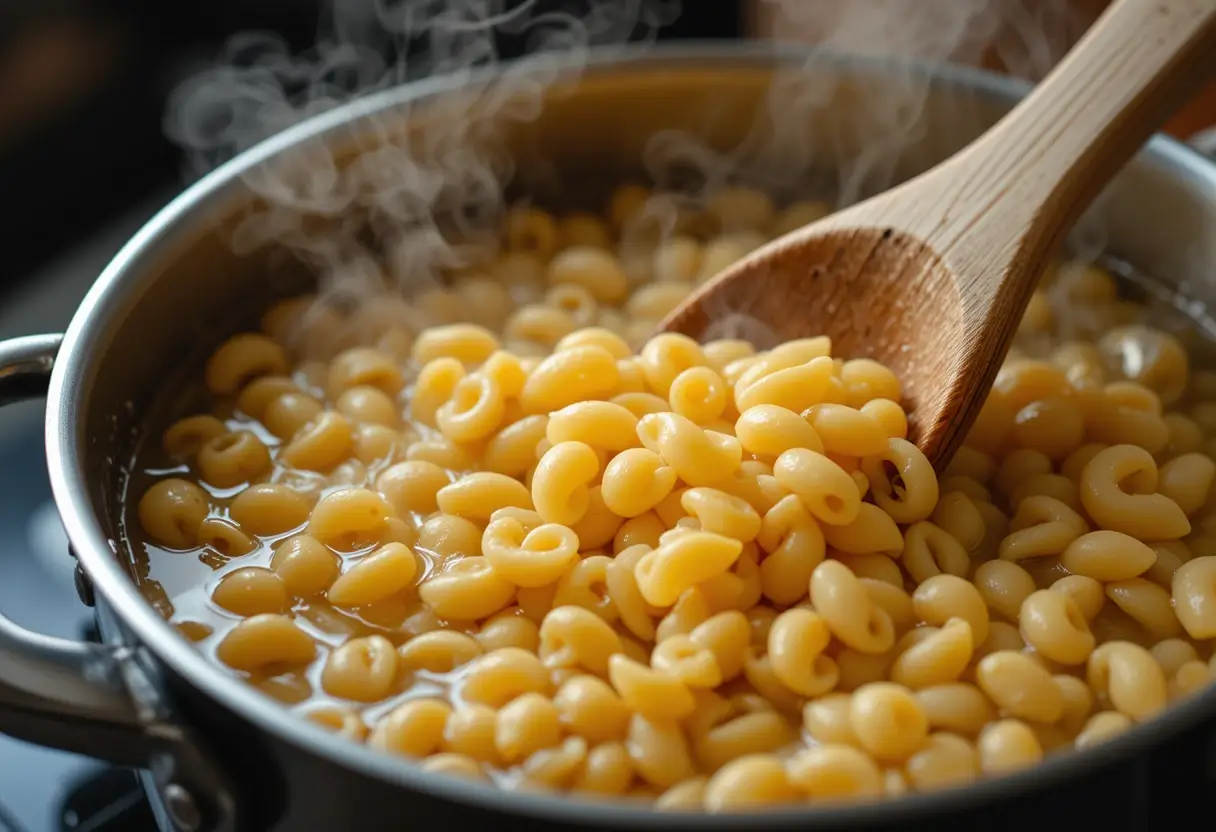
(111, 579)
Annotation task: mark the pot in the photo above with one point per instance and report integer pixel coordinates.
(217, 755)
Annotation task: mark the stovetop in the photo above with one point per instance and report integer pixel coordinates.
(43, 790)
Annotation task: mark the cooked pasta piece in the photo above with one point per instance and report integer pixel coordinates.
(504, 530)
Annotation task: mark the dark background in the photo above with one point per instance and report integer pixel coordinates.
(83, 85)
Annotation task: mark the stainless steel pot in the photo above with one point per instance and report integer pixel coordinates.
(218, 755)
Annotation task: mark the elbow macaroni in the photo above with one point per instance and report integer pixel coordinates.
(513, 537)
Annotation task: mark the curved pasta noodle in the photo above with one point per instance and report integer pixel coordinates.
(698, 456)
(913, 494)
(1144, 515)
(794, 544)
(826, 489)
(518, 537)
(685, 561)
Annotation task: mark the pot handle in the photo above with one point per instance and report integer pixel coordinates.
(53, 691)
(77, 696)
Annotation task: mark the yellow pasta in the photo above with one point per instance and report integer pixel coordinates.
(253, 400)
(467, 343)
(635, 481)
(834, 772)
(241, 359)
(473, 410)
(1194, 597)
(265, 640)
(171, 511)
(252, 590)
(512, 451)
(938, 656)
(722, 513)
(502, 528)
(956, 706)
(593, 269)
(796, 387)
(1147, 604)
(795, 647)
(698, 456)
(528, 557)
(1007, 746)
(363, 366)
(844, 430)
(1149, 515)
(694, 665)
(918, 490)
(561, 483)
(946, 760)
(266, 509)
(413, 729)
(757, 731)
(1054, 625)
(359, 404)
(1129, 677)
(826, 489)
(1108, 556)
(930, 551)
(231, 459)
(843, 602)
(751, 781)
(888, 721)
(603, 425)
(574, 637)
(1020, 686)
(305, 566)
(438, 652)
(363, 669)
(683, 562)
(573, 375)
(699, 394)
(469, 590)
(346, 519)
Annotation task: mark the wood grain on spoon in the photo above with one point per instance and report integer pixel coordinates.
(932, 277)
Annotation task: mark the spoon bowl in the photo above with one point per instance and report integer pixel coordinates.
(860, 287)
(931, 278)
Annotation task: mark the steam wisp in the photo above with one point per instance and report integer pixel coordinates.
(411, 206)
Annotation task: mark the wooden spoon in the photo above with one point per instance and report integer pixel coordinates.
(931, 278)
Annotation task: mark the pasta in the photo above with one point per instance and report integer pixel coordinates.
(514, 535)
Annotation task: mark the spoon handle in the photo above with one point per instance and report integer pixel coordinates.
(1032, 175)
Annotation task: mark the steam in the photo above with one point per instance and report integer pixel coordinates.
(827, 135)
(863, 144)
(411, 203)
(414, 204)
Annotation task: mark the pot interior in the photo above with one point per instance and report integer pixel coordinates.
(180, 287)
(176, 292)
